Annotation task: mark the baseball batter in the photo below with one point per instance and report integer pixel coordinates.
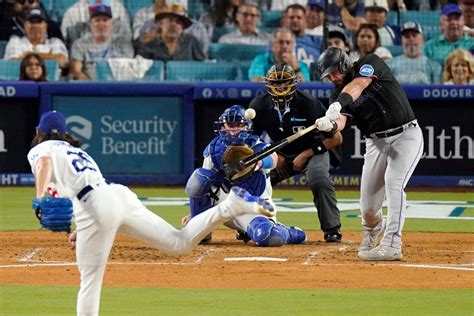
(368, 93)
(102, 209)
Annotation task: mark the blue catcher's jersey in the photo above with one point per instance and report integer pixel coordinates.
(256, 182)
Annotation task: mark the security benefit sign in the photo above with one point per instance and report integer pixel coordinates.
(128, 135)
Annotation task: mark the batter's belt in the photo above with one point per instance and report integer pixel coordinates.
(393, 131)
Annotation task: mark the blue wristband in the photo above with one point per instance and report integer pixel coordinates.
(267, 162)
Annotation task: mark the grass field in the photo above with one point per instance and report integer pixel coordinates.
(16, 215)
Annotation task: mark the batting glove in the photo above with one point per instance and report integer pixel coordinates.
(324, 124)
(334, 111)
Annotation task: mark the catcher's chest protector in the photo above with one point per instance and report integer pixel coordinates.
(255, 183)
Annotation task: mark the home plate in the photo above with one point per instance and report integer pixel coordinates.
(255, 259)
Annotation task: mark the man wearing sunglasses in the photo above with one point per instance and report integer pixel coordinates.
(20, 9)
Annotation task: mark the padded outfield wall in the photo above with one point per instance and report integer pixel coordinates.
(148, 133)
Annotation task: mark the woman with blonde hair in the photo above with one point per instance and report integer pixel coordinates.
(459, 68)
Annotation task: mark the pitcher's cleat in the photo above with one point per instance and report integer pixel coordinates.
(245, 203)
(206, 240)
(296, 235)
(240, 235)
(381, 253)
(372, 236)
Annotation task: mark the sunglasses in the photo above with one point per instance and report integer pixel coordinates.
(25, 1)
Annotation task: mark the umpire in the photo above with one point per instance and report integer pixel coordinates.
(284, 111)
(368, 93)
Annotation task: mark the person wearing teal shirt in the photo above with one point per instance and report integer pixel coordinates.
(452, 37)
(283, 51)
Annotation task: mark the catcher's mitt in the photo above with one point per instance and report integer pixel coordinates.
(232, 162)
(54, 214)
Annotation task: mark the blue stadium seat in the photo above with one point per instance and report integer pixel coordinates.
(396, 50)
(3, 45)
(196, 9)
(235, 52)
(9, 69)
(186, 71)
(392, 18)
(134, 5)
(155, 73)
(219, 31)
(54, 72)
(429, 21)
(244, 67)
(271, 19)
(60, 7)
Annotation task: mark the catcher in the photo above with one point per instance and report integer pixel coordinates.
(210, 184)
(102, 208)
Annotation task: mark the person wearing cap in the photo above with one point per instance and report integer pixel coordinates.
(337, 37)
(452, 37)
(172, 43)
(21, 8)
(315, 17)
(103, 209)
(35, 41)
(347, 13)
(376, 12)
(413, 67)
(281, 5)
(247, 18)
(100, 44)
(75, 22)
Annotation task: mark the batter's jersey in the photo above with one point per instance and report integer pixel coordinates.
(73, 168)
(383, 104)
(303, 112)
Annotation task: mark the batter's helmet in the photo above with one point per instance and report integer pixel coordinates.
(281, 81)
(331, 59)
(233, 115)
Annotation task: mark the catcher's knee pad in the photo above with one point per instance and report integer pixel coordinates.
(296, 235)
(266, 233)
(201, 181)
(197, 205)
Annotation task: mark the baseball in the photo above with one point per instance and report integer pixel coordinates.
(250, 114)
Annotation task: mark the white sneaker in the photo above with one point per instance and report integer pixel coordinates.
(372, 236)
(382, 253)
(242, 202)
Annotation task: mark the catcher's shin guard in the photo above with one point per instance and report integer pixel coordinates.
(265, 233)
(198, 188)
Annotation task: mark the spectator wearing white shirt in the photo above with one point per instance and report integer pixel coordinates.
(247, 19)
(75, 22)
(36, 41)
(376, 12)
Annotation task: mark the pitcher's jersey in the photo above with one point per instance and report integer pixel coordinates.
(73, 168)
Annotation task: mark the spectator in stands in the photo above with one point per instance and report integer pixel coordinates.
(452, 37)
(247, 19)
(32, 68)
(467, 7)
(367, 41)
(413, 67)
(21, 8)
(315, 17)
(149, 29)
(146, 14)
(308, 47)
(100, 44)
(349, 13)
(220, 15)
(337, 37)
(172, 43)
(459, 68)
(376, 12)
(75, 22)
(36, 41)
(283, 51)
(281, 5)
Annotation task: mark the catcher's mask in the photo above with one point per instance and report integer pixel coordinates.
(281, 81)
(232, 124)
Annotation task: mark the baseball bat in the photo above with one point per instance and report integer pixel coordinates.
(250, 160)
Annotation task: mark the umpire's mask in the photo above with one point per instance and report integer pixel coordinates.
(281, 83)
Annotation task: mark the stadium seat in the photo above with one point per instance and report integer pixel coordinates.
(9, 69)
(134, 5)
(60, 7)
(155, 73)
(219, 31)
(429, 21)
(186, 71)
(392, 18)
(54, 72)
(3, 45)
(197, 8)
(396, 50)
(234, 52)
(244, 67)
(271, 19)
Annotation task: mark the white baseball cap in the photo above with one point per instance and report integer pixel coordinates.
(382, 4)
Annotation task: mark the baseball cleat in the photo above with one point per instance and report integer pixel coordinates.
(333, 235)
(245, 203)
(372, 236)
(381, 253)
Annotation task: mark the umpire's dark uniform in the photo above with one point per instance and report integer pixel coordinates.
(303, 111)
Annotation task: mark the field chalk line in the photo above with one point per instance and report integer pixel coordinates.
(30, 255)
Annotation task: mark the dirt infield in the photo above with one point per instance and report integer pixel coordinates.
(439, 260)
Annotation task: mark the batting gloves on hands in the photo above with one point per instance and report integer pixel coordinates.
(324, 124)
(334, 111)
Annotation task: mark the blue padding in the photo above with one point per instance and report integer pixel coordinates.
(266, 233)
(201, 181)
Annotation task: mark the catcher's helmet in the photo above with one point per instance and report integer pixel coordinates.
(234, 115)
(281, 81)
(331, 59)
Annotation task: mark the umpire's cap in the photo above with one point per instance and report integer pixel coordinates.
(331, 59)
(52, 121)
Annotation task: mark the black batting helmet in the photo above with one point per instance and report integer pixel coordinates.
(281, 83)
(331, 59)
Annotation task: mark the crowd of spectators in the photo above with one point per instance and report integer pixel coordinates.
(90, 31)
